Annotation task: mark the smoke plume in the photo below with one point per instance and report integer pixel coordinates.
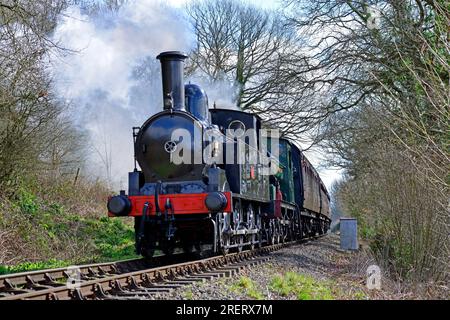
(112, 79)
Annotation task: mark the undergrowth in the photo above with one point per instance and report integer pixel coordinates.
(60, 225)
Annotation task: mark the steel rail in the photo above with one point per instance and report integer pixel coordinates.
(142, 282)
(23, 282)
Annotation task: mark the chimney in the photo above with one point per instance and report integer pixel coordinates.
(172, 70)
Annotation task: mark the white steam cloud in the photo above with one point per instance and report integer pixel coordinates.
(113, 81)
(221, 93)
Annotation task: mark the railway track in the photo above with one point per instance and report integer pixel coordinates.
(16, 284)
(129, 279)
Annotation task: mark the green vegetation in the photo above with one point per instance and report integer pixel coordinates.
(359, 295)
(188, 294)
(292, 285)
(64, 226)
(301, 286)
(248, 287)
(30, 266)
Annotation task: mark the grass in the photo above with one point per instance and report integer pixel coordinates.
(289, 285)
(188, 294)
(247, 286)
(30, 266)
(301, 286)
(113, 239)
(359, 295)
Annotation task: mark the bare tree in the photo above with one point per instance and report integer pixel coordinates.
(103, 7)
(397, 65)
(251, 48)
(381, 72)
(32, 124)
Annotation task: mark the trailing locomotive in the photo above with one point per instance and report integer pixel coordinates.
(201, 189)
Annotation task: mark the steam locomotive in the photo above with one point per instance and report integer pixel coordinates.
(202, 189)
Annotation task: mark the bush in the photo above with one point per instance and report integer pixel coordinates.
(403, 216)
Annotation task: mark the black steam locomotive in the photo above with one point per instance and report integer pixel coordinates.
(203, 189)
